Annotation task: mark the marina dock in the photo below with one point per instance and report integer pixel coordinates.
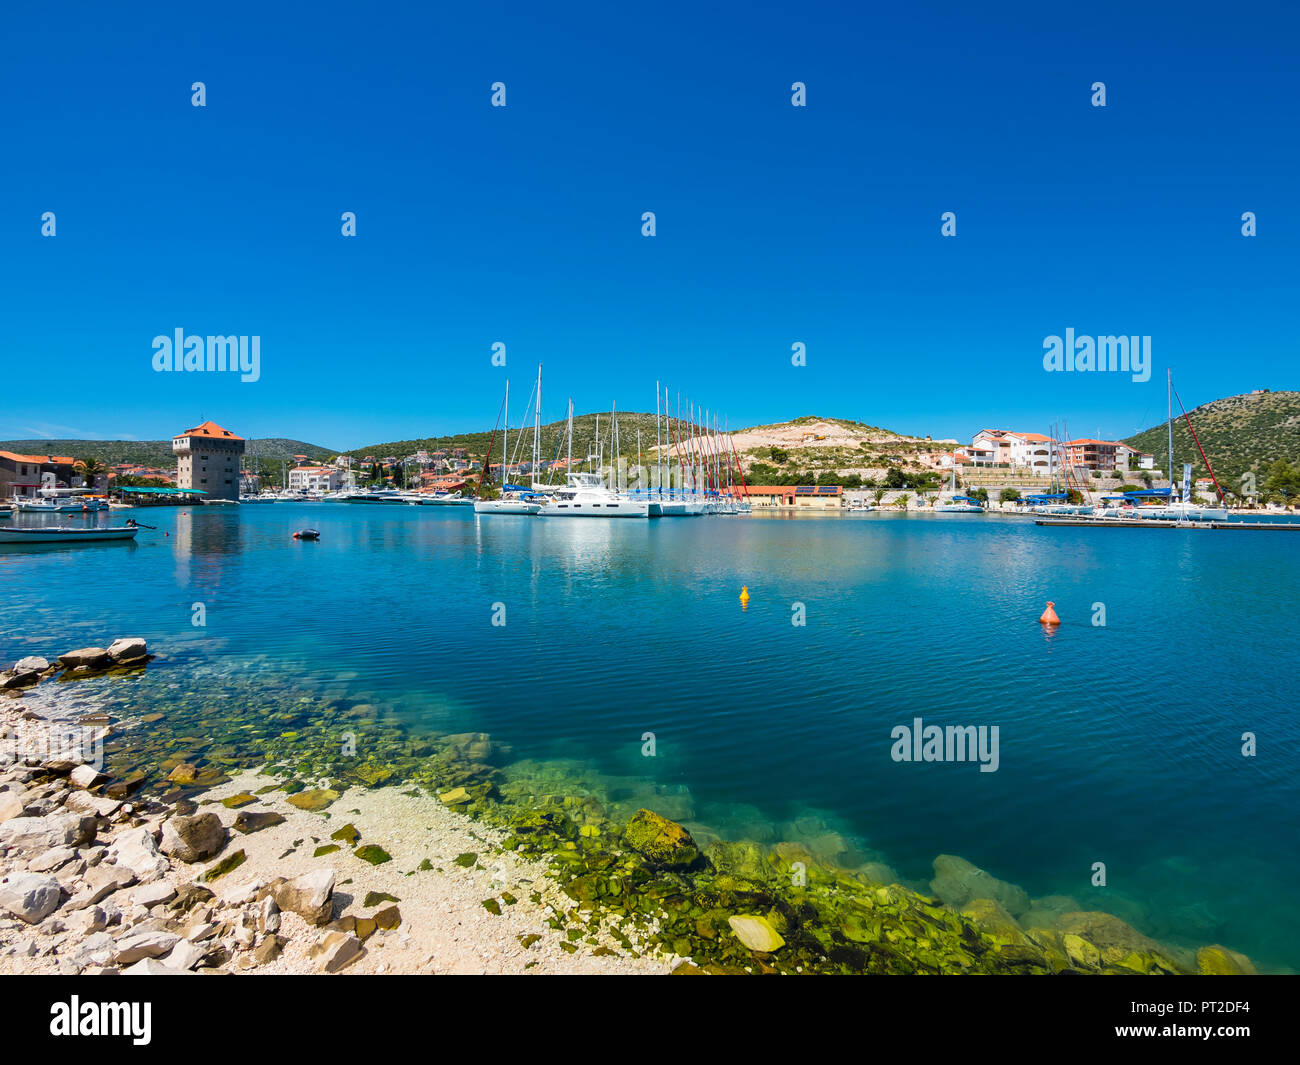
(1158, 523)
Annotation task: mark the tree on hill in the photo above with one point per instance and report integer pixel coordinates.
(1283, 480)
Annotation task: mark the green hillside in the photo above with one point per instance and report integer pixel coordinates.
(1240, 434)
(554, 436)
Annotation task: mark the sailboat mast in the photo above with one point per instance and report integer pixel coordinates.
(505, 439)
(537, 424)
(1169, 401)
(658, 448)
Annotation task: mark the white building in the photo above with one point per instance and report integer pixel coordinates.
(1131, 459)
(315, 479)
(1002, 447)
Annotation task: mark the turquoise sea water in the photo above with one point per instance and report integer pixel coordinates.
(1118, 743)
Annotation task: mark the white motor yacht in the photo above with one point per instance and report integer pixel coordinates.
(585, 496)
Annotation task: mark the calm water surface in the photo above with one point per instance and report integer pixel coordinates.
(1118, 744)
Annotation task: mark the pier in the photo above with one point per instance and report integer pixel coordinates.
(1160, 523)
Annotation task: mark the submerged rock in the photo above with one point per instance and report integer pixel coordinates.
(756, 933)
(957, 882)
(1220, 961)
(249, 821)
(314, 800)
(662, 841)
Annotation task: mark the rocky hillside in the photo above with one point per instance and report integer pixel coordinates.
(787, 452)
(1240, 434)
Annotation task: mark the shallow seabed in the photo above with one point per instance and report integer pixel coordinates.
(372, 656)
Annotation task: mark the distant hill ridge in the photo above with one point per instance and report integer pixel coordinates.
(158, 453)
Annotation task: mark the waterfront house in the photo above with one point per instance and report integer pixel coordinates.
(1086, 453)
(207, 460)
(315, 479)
(1130, 458)
(25, 475)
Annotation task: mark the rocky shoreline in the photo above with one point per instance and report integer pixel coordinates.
(421, 856)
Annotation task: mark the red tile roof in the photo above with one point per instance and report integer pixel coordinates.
(211, 430)
(58, 460)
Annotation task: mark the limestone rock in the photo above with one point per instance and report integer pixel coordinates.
(127, 649)
(334, 950)
(43, 833)
(154, 894)
(86, 776)
(136, 850)
(11, 805)
(29, 896)
(90, 657)
(151, 943)
(311, 896)
(193, 839)
(31, 664)
(153, 967)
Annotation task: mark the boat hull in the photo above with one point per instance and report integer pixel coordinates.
(505, 506)
(64, 536)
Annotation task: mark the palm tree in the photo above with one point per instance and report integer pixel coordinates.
(878, 495)
(91, 469)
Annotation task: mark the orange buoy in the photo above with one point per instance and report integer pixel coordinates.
(1049, 616)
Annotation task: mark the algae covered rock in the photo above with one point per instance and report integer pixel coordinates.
(661, 841)
(316, 799)
(1113, 938)
(756, 932)
(1220, 961)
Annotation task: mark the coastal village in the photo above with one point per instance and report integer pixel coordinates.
(855, 468)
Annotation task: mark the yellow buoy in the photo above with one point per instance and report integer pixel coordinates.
(744, 594)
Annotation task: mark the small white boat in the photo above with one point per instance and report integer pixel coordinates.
(864, 508)
(60, 501)
(959, 505)
(221, 502)
(506, 506)
(59, 535)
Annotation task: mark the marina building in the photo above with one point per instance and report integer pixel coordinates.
(793, 497)
(207, 460)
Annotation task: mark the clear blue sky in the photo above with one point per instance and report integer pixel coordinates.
(523, 224)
